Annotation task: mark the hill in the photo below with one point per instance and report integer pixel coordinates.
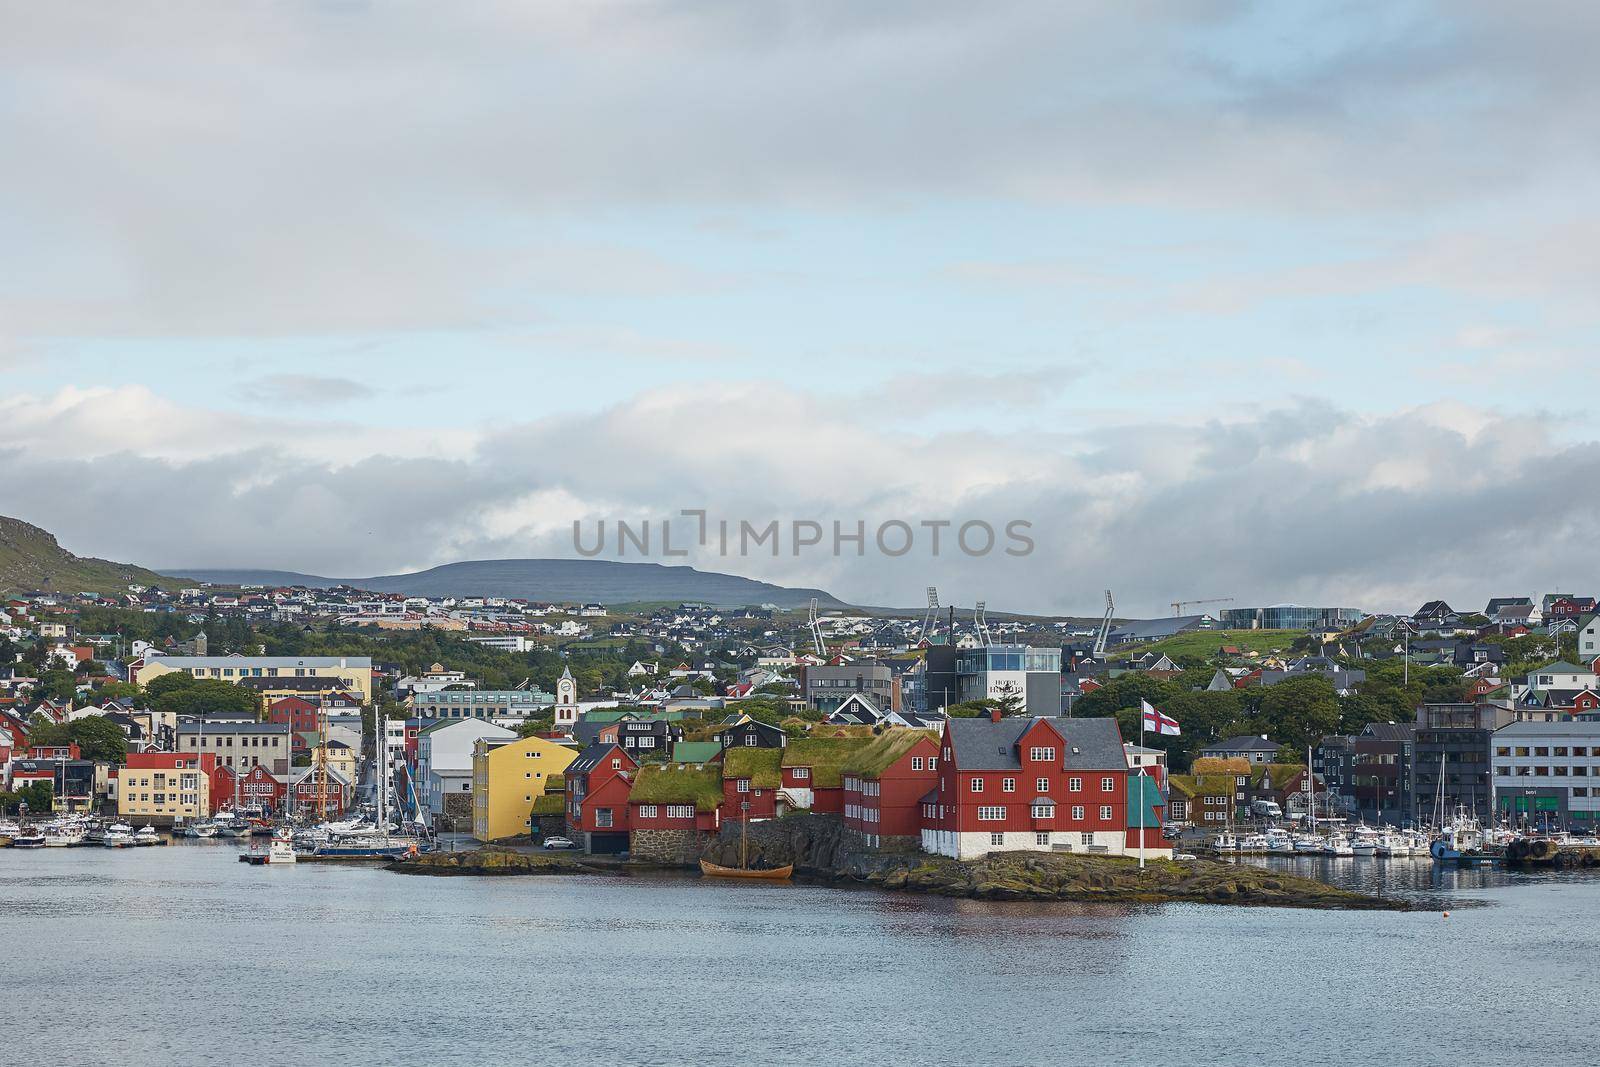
(30, 559)
(558, 580)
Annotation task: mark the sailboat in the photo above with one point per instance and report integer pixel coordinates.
(776, 874)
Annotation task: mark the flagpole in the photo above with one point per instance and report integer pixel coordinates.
(1143, 705)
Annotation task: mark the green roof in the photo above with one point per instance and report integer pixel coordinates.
(670, 783)
(550, 804)
(695, 751)
(1154, 806)
(1279, 774)
(760, 765)
(824, 755)
(877, 755)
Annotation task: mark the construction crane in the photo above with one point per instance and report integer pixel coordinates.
(931, 616)
(1105, 628)
(981, 625)
(1179, 605)
(815, 626)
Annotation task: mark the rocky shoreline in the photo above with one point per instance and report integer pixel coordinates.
(823, 851)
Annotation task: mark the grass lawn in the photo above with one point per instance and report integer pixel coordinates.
(1204, 643)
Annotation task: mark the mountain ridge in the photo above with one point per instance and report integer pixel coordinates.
(553, 580)
(32, 559)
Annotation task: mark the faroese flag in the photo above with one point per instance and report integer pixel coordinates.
(1158, 722)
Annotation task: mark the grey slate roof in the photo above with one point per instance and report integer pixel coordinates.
(1244, 743)
(590, 758)
(1086, 744)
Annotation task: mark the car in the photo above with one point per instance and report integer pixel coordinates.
(559, 842)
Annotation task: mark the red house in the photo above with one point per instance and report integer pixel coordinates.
(598, 784)
(299, 714)
(1035, 784)
(813, 769)
(750, 781)
(673, 797)
(886, 782)
(321, 790)
(262, 789)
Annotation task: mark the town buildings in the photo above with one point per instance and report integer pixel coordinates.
(1547, 774)
(240, 745)
(350, 672)
(445, 773)
(993, 672)
(1451, 760)
(163, 787)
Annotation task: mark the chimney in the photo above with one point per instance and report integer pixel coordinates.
(994, 714)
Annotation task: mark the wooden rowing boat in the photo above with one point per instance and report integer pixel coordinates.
(776, 874)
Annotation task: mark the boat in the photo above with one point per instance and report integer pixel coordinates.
(1254, 843)
(1278, 839)
(1307, 844)
(147, 836)
(1364, 841)
(63, 837)
(776, 874)
(280, 851)
(28, 839)
(1225, 842)
(117, 835)
(1337, 844)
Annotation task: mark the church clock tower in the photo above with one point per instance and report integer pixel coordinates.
(566, 699)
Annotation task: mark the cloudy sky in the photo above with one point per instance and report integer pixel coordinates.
(1278, 302)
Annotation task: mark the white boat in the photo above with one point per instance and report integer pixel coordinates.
(1392, 845)
(1253, 843)
(147, 835)
(1225, 842)
(118, 835)
(1337, 844)
(1278, 840)
(63, 837)
(1364, 841)
(1307, 844)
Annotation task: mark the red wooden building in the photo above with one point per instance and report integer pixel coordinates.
(260, 788)
(1035, 784)
(598, 784)
(750, 781)
(885, 784)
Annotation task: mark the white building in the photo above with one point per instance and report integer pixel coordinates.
(1548, 772)
(444, 758)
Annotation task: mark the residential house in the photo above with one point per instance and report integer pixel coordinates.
(1256, 749)
(163, 787)
(886, 782)
(598, 783)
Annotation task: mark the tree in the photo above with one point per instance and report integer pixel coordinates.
(702, 686)
(58, 685)
(1008, 698)
(201, 695)
(121, 691)
(971, 709)
(97, 737)
(1299, 711)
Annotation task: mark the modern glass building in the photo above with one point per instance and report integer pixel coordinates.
(1289, 617)
(1035, 674)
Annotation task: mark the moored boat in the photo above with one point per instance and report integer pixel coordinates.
(776, 874)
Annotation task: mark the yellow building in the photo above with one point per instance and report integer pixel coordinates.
(163, 786)
(353, 672)
(341, 758)
(509, 777)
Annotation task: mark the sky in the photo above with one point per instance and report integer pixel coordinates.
(1221, 299)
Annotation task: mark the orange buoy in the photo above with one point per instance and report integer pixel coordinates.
(1447, 915)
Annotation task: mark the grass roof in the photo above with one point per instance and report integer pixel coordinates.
(678, 784)
(550, 804)
(824, 755)
(881, 752)
(1280, 774)
(1183, 784)
(760, 765)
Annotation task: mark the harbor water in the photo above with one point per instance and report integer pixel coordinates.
(184, 956)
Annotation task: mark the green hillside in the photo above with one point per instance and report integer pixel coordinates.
(31, 559)
(1206, 642)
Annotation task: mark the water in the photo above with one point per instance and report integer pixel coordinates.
(182, 955)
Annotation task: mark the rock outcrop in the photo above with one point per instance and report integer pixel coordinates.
(821, 848)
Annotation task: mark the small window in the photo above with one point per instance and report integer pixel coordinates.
(977, 785)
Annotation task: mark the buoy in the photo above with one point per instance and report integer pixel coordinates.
(1447, 915)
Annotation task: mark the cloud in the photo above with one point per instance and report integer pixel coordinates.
(1307, 502)
(311, 167)
(306, 390)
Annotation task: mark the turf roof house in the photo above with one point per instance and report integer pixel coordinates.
(1040, 785)
(751, 778)
(813, 772)
(673, 810)
(887, 780)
